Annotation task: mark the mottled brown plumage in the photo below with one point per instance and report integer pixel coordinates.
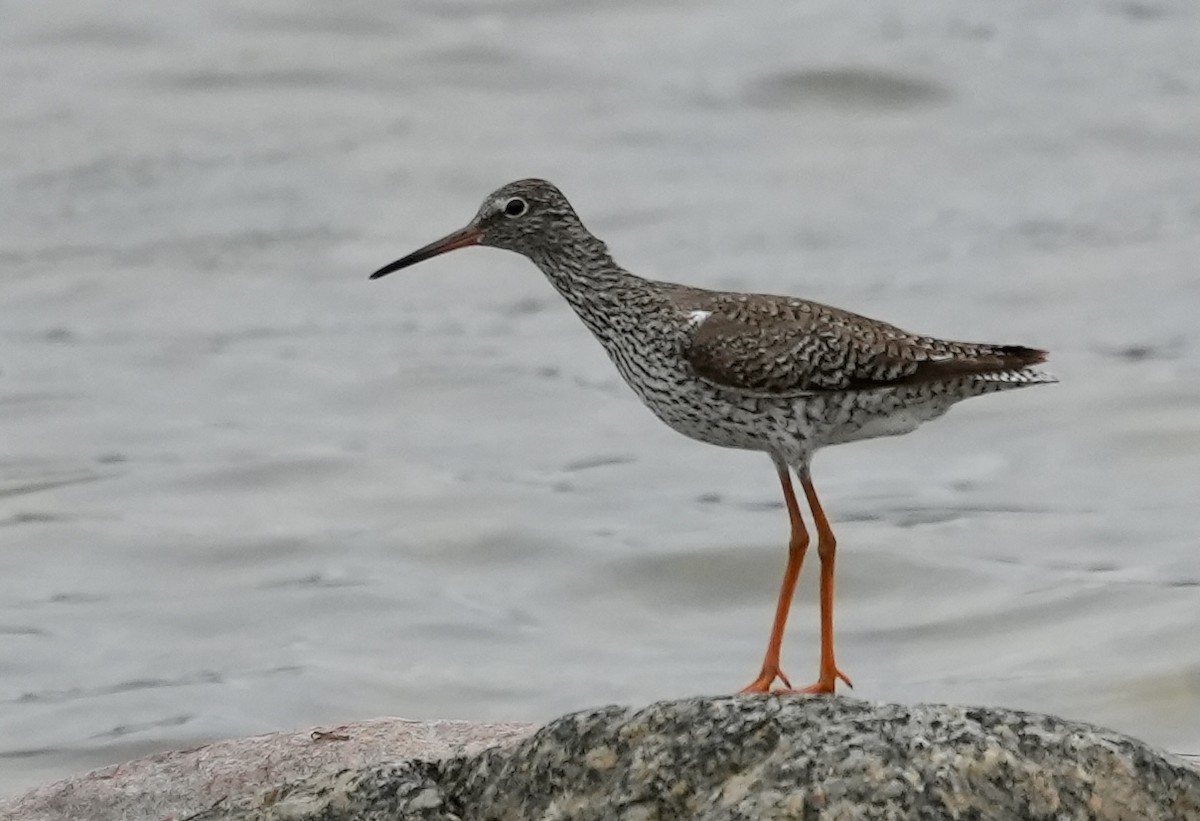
(771, 373)
(782, 345)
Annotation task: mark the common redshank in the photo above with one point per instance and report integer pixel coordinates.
(775, 374)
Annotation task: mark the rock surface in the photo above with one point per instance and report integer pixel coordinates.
(732, 758)
(180, 784)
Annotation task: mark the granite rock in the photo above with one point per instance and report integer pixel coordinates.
(765, 758)
(182, 783)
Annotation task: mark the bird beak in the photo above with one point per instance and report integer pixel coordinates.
(471, 235)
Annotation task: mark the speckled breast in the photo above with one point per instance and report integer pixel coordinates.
(794, 426)
(697, 409)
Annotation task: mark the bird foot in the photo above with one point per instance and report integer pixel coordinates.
(766, 677)
(825, 685)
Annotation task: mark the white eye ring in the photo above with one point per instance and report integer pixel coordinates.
(515, 207)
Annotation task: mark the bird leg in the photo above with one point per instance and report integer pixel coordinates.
(797, 545)
(827, 551)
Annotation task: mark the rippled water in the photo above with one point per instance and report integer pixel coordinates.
(243, 489)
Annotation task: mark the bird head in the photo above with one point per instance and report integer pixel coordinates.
(525, 216)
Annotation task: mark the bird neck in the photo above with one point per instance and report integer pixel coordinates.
(589, 279)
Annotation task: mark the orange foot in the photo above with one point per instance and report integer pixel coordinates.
(825, 685)
(766, 678)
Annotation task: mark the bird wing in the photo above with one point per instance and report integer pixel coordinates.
(776, 345)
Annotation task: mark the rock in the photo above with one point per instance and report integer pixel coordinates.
(180, 784)
(765, 758)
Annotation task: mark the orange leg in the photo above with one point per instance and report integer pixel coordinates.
(827, 551)
(797, 545)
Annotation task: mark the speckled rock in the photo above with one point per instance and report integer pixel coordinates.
(179, 784)
(766, 758)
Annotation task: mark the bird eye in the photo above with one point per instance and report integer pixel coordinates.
(516, 207)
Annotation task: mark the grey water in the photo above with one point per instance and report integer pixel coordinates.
(243, 489)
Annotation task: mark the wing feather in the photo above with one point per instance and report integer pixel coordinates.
(785, 346)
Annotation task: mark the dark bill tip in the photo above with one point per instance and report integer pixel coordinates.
(459, 239)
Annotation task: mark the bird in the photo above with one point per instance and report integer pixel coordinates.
(776, 374)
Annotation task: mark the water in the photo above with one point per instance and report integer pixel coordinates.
(242, 489)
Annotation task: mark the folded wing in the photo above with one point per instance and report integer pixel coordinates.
(785, 346)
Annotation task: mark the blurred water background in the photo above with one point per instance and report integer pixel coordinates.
(242, 489)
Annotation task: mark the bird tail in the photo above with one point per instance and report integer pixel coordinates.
(1018, 356)
(1012, 364)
